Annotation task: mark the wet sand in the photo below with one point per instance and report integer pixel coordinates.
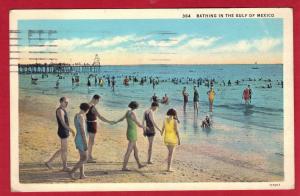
(38, 140)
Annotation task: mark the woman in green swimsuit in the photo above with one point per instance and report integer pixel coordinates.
(131, 134)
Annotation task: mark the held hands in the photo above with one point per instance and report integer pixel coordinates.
(160, 131)
(73, 132)
(85, 148)
(112, 122)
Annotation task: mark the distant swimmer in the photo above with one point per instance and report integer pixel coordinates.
(34, 80)
(229, 83)
(101, 82)
(113, 83)
(206, 123)
(154, 98)
(95, 80)
(250, 93)
(89, 83)
(196, 100)
(246, 95)
(57, 84)
(211, 96)
(185, 98)
(165, 99)
(77, 79)
(126, 81)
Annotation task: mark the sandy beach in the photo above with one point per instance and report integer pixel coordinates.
(203, 162)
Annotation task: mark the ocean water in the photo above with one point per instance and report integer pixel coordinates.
(257, 128)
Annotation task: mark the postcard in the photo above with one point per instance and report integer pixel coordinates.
(151, 99)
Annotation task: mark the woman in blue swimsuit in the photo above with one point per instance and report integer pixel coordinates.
(81, 140)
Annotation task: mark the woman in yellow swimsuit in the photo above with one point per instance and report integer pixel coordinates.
(211, 96)
(131, 134)
(171, 135)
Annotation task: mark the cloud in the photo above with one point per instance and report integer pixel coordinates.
(104, 43)
(261, 45)
(266, 44)
(196, 43)
(172, 41)
(69, 44)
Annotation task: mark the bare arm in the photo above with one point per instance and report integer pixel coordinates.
(99, 116)
(81, 120)
(163, 128)
(136, 121)
(177, 133)
(152, 119)
(121, 119)
(143, 121)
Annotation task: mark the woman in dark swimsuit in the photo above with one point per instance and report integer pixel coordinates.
(150, 127)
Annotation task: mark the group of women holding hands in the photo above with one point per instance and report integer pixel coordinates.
(85, 122)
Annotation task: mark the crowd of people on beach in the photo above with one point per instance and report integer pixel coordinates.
(85, 122)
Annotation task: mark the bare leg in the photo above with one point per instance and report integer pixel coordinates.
(79, 164)
(54, 156)
(127, 154)
(184, 106)
(64, 153)
(196, 107)
(150, 139)
(82, 175)
(136, 155)
(170, 157)
(90, 146)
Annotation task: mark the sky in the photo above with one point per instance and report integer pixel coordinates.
(154, 41)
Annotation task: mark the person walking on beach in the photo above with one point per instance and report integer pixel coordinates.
(196, 100)
(131, 133)
(185, 98)
(63, 133)
(150, 127)
(91, 117)
(171, 135)
(211, 96)
(80, 140)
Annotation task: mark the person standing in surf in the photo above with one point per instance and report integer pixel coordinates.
(171, 135)
(91, 117)
(250, 93)
(149, 132)
(196, 100)
(63, 132)
(246, 95)
(211, 96)
(185, 98)
(131, 134)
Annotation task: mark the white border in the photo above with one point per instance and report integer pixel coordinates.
(289, 179)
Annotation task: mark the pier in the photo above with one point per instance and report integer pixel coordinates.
(57, 68)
